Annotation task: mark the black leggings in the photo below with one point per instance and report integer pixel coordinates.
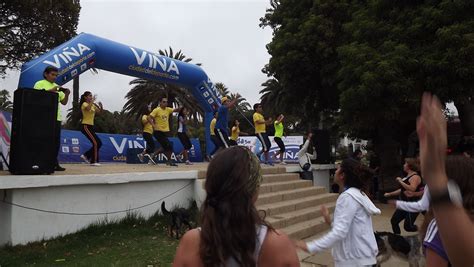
(93, 153)
(408, 224)
(280, 144)
(150, 143)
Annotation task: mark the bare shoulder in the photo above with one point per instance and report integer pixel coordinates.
(187, 253)
(190, 238)
(278, 250)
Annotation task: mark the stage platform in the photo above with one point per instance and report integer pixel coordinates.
(112, 173)
(109, 168)
(34, 207)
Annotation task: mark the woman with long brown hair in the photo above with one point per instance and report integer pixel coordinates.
(232, 233)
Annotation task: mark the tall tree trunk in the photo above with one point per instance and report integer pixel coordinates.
(388, 148)
(466, 115)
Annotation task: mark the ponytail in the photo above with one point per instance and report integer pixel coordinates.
(82, 100)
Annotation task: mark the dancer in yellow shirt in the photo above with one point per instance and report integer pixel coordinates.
(159, 118)
(147, 134)
(89, 108)
(260, 130)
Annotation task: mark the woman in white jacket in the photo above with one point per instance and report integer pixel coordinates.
(352, 237)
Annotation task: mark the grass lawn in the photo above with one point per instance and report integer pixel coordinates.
(132, 241)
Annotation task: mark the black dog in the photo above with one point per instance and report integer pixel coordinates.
(177, 219)
(407, 248)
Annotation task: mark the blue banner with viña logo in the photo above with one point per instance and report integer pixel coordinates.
(292, 146)
(114, 147)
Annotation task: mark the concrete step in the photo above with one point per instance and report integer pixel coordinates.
(273, 170)
(280, 177)
(306, 229)
(289, 195)
(282, 186)
(273, 209)
(283, 220)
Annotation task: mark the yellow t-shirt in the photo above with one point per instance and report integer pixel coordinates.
(259, 128)
(147, 127)
(46, 85)
(161, 117)
(213, 125)
(88, 115)
(235, 133)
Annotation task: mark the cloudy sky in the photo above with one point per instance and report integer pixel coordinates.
(223, 35)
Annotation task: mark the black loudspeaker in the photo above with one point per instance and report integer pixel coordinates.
(323, 146)
(33, 140)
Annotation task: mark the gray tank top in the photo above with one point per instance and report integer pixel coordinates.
(261, 234)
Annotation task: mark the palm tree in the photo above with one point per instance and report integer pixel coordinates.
(223, 90)
(274, 97)
(5, 103)
(145, 92)
(74, 116)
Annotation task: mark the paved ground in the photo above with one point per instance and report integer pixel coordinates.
(380, 223)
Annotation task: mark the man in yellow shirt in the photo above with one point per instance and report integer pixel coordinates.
(260, 131)
(49, 74)
(159, 119)
(214, 138)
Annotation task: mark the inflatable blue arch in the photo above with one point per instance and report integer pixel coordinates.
(87, 51)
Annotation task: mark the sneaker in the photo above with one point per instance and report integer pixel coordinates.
(150, 163)
(269, 163)
(96, 164)
(59, 168)
(188, 162)
(140, 157)
(172, 164)
(282, 163)
(150, 159)
(84, 158)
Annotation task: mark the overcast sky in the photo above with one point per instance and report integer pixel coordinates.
(223, 35)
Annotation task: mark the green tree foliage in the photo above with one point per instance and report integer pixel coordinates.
(367, 63)
(5, 103)
(302, 68)
(117, 122)
(31, 27)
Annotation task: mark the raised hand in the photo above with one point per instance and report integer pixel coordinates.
(432, 134)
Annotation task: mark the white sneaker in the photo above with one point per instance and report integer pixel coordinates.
(188, 162)
(140, 157)
(96, 164)
(282, 163)
(84, 158)
(150, 159)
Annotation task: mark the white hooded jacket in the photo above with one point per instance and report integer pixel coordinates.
(352, 237)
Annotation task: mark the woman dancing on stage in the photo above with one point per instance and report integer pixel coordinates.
(89, 108)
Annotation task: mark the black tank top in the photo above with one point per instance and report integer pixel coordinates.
(406, 180)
